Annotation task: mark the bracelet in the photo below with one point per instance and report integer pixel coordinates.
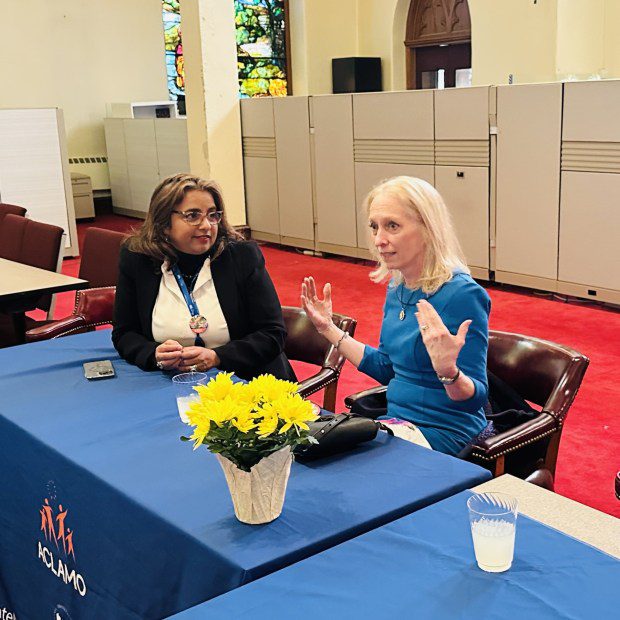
(344, 335)
(449, 380)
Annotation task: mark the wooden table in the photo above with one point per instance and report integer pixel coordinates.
(581, 522)
(22, 285)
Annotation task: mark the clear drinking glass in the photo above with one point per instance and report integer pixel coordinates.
(184, 386)
(493, 520)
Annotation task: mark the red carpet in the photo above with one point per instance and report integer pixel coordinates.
(589, 454)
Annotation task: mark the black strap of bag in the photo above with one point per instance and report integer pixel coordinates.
(336, 433)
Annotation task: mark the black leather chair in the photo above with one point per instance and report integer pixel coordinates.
(305, 344)
(541, 372)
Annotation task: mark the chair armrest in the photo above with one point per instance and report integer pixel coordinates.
(58, 328)
(562, 397)
(379, 389)
(93, 307)
(317, 382)
(529, 432)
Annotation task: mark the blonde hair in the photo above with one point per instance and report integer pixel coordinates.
(443, 252)
(151, 238)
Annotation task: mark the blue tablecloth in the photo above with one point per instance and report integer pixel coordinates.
(150, 521)
(423, 566)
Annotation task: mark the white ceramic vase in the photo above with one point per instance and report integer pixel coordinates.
(258, 495)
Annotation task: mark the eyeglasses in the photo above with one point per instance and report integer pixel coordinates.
(195, 217)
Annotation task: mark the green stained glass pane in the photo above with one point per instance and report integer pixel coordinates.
(261, 48)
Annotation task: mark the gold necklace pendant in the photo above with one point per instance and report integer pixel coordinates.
(401, 316)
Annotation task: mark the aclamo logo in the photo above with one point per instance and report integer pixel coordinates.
(56, 530)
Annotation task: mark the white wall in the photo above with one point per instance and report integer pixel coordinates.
(80, 55)
(513, 37)
(321, 30)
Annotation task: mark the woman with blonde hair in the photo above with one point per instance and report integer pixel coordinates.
(192, 294)
(434, 334)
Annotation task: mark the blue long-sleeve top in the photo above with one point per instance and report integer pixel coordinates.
(402, 363)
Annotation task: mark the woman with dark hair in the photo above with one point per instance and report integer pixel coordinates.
(192, 294)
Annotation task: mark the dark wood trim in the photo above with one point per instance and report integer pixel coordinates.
(429, 43)
(426, 40)
(410, 68)
(287, 39)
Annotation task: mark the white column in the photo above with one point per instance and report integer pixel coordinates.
(212, 99)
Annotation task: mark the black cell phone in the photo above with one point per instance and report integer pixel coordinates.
(102, 369)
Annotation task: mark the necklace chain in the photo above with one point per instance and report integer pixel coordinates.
(405, 304)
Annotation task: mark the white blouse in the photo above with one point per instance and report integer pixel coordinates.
(171, 314)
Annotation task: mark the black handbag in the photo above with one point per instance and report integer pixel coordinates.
(336, 433)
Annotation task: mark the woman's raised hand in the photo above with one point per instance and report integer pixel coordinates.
(319, 311)
(443, 348)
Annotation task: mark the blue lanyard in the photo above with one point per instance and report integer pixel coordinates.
(189, 300)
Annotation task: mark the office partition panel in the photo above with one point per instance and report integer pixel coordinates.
(334, 174)
(462, 162)
(528, 184)
(393, 135)
(589, 252)
(260, 168)
(295, 188)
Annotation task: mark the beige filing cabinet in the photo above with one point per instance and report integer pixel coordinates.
(293, 155)
(393, 135)
(82, 196)
(462, 167)
(334, 177)
(260, 168)
(529, 121)
(589, 254)
(141, 153)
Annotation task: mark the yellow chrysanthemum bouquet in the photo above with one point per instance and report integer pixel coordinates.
(253, 429)
(246, 422)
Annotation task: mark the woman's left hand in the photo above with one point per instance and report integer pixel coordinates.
(198, 359)
(443, 348)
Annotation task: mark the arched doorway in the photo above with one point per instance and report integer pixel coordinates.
(438, 44)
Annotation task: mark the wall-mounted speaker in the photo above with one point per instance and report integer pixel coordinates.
(356, 75)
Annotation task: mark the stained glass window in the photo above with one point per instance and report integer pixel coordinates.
(261, 47)
(174, 48)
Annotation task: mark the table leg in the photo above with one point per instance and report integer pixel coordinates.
(19, 325)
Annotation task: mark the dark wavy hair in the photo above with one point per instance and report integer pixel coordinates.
(151, 239)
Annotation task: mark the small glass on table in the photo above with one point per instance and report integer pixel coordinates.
(184, 385)
(493, 520)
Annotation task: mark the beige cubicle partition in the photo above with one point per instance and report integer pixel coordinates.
(260, 168)
(334, 174)
(172, 147)
(589, 253)
(529, 121)
(462, 167)
(117, 163)
(294, 165)
(141, 153)
(142, 166)
(393, 135)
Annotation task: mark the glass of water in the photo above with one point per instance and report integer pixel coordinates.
(184, 385)
(493, 520)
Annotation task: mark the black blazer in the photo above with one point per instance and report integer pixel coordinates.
(247, 297)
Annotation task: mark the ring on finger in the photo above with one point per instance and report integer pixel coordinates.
(193, 368)
(423, 327)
